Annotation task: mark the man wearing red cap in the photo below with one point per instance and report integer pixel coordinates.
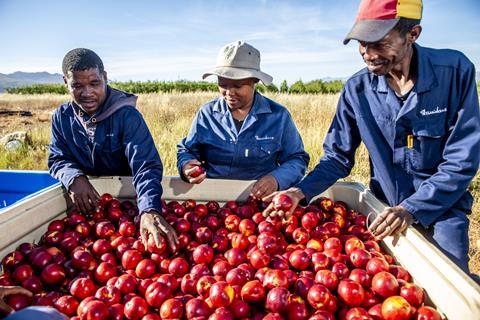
(416, 110)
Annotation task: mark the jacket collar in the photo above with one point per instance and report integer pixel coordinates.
(427, 79)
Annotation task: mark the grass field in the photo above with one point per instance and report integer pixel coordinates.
(169, 117)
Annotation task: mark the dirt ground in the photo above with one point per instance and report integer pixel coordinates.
(24, 114)
(7, 122)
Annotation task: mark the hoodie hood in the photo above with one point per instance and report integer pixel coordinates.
(115, 100)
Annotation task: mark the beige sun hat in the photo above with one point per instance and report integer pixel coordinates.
(239, 60)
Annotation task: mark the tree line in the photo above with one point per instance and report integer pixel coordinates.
(137, 87)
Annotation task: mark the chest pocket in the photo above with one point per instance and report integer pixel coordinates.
(108, 138)
(109, 150)
(110, 158)
(428, 146)
(264, 151)
(217, 152)
(110, 144)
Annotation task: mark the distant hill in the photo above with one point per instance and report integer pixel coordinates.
(19, 79)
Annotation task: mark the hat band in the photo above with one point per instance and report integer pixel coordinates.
(237, 67)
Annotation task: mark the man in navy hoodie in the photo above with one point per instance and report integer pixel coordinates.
(100, 133)
(416, 110)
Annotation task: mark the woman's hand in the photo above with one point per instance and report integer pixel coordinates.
(264, 186)
(190, 168)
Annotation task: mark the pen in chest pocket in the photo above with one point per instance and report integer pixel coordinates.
(410, 141)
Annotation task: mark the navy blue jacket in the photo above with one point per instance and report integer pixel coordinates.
(430, 174)
(268, 143)
(122, 145)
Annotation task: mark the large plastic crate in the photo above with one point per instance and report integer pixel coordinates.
(17, 185)
(448, 287)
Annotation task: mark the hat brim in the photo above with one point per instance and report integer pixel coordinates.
(370, 30)
(239, 74)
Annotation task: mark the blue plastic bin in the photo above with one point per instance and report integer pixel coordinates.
(17, 185)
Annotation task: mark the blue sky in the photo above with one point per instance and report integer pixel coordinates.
(171, 40)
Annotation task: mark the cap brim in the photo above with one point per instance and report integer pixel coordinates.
(370, 30)
(239, 74)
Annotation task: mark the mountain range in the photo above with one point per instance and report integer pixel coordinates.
(19, 79)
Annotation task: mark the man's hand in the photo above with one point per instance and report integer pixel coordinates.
(83, 194)
(295, 193)
(154, 224)
(264, 186)
(9, 290)
(189, 167)
(392, 220)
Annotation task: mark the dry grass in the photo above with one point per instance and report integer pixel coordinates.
(169, 117)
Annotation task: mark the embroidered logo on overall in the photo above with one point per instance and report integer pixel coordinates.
(264, 138)
(424, 112)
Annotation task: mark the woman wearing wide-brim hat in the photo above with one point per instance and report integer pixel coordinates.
(242, 134)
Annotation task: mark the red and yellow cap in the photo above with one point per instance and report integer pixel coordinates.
(377, 17)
